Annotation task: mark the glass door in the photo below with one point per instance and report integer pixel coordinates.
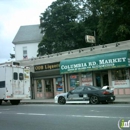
(98, 79)
(105, 79)
(49, 88)
(101, 78)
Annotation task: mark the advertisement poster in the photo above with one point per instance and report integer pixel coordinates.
(74, 81)
(87, 79)
(26, 74)
(59, 85)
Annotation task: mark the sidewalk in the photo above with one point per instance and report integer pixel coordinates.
(119, 100)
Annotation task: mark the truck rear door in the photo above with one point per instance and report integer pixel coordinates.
(18, 82)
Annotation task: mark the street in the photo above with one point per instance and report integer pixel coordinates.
(63, 117)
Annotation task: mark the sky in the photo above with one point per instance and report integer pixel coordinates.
(16, 13)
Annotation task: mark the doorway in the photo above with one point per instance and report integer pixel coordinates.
(49, 88)
(105, 79)
(101, 79)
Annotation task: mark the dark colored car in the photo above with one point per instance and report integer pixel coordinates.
(84, 94)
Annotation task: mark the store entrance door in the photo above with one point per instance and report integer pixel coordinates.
(49, 88)
(98, 79)
(105, 79)
(102, 78)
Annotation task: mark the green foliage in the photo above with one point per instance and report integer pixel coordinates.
(114, 23)
(66, 22)
(63, 27)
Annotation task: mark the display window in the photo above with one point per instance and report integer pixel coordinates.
(74, 80)
(120, 78)
(59, 84)
(86, 79)
(120, 74)
(39, 85)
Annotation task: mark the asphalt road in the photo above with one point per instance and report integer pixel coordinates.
(63, 117)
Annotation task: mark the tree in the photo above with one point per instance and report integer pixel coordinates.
(114, 23)
(63, 27)
(66, 22)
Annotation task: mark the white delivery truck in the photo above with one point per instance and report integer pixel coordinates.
(14, 83)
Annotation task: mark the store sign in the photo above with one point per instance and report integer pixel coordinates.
(90, 39)
(96, 62)
(46, 67)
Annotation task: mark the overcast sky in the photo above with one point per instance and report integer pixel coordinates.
(16, 13)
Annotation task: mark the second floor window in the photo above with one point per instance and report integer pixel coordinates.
(25, 56)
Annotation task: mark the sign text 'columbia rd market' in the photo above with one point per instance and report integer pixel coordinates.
(96, 62)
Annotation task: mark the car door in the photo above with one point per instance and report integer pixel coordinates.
(76, 94)
(87, 92)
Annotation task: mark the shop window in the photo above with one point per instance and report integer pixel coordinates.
(39, 85)
(86, 79)
(59, 85)
(15, 76)
(120, 74)
(48, 85)
(74, 80)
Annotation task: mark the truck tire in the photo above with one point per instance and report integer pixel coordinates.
(0, 102)
(14, 102)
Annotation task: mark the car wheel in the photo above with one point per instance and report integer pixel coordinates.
(94, 100)
(61, 100)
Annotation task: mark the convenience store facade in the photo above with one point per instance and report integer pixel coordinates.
(108, 69)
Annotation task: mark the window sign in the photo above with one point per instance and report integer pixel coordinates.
(59, 85)
(86, 79)
(74, 81)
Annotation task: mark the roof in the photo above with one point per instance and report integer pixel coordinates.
(28, 34)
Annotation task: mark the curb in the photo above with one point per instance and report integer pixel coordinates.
(37, 103)
(69, 103)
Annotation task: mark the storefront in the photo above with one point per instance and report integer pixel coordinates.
(47, 81)
(112, 69)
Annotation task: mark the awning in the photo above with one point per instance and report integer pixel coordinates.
(111, 60)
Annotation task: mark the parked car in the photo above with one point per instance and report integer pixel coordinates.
(86, 94)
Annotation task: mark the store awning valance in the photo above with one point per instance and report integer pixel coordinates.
(111, 60)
